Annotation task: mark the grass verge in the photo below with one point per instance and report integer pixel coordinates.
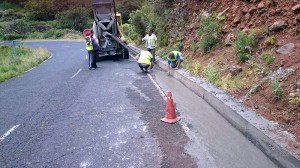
(25, 59)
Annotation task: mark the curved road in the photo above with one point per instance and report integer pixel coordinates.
(61, 114)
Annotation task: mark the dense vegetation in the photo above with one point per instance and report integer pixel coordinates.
(36, 19)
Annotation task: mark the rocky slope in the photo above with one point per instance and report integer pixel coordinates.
(279, 19)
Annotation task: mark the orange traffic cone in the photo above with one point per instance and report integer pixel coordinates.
(170, 116)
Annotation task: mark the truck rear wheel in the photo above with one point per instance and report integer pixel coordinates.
(125, 53)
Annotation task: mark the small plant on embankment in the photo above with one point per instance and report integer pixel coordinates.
(209, 31)
(26, 58)
(243, 45)
(278, 91)
(270, 40)
(211, 73)
(267, 57)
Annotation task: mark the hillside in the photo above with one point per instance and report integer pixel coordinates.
(266, 79)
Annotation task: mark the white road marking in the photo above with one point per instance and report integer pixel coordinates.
(40, 63)
(86, 56)
(82, 50)
(8, 132)
(76, 73)
(85, 164)
(134, 88)
(156, 85)
(66, 46)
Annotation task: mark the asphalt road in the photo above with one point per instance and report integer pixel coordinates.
(61, 114)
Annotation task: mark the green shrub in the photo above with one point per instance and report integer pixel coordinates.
(2, 34)
(267, 57)
(209, 25)
(211, 73)
(270, 40)
(194, 47)
(197, 68)
(243, 46)
(1, 14)
(53, 34)
(208, 43)
(162, 39)
(209, 31)
(295, 31)
(278, 91)
(139, 22)
(9, 37)
(187, 64)
(19, 26)
(73, 19)
(178, 46)
(129, 32)
(5, 5)
(243, 57)
(294, 99)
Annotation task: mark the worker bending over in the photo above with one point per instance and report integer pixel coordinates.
(144, 60)
(174, 60)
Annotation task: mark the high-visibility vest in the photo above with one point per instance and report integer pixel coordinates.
(145, 58)
(89, 47)
(175, 56)
(152, 40)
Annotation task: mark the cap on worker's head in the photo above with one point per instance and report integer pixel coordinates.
(87, 32)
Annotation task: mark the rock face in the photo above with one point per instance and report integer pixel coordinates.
(298, 18)
(278, 25)
(229, 39)
(296, 8)
(286, 49)
(235, 70)
(261, 5)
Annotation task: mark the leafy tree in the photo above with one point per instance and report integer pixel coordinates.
(46, 10)
(41, 10)
(73, 19)
(17, 2)
(125, 7)
(139, 22)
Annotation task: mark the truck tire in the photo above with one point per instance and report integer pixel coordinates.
(125, 53)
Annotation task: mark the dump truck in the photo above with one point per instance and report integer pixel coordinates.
(107, 27)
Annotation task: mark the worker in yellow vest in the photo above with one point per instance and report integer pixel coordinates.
(92, 47)
(151, 39)
(144, 60)
(174, 60)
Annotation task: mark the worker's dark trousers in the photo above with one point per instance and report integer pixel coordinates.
(92, 59)
(144, 67)
(152, 51)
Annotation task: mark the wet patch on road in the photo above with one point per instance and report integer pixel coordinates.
(170, 137)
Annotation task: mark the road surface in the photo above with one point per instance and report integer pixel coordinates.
(61, 114)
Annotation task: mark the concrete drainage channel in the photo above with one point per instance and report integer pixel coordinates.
(264, 134)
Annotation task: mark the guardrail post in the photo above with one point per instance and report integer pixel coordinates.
(14, 49)
(13, 44)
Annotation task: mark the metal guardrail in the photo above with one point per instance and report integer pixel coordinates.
(134, 50)
(13, 44)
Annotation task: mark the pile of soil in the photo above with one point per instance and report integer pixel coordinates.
(245, 15)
